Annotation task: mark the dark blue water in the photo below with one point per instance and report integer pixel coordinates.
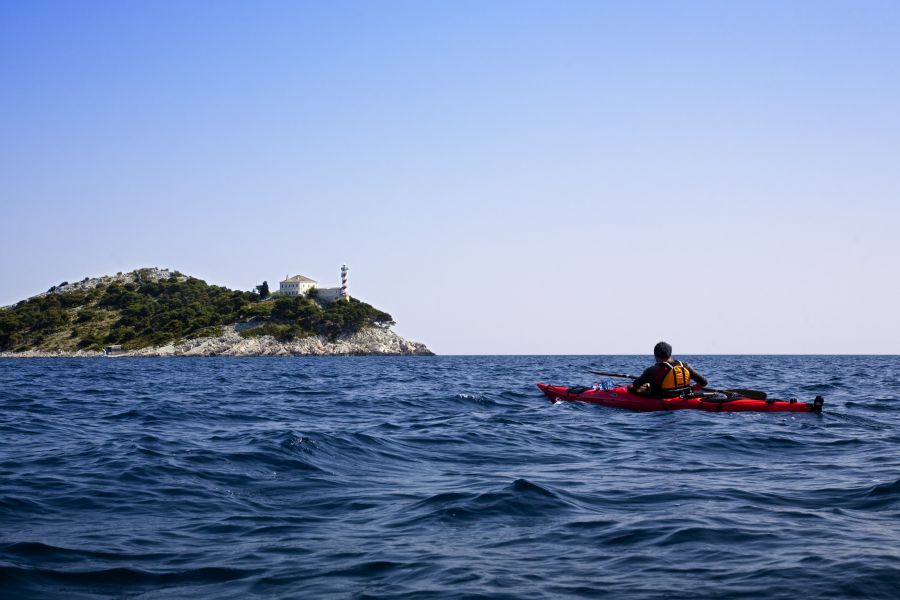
(444, 477)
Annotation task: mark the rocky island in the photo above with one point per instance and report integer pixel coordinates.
(157, 312)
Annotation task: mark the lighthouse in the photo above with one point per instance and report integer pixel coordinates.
(345, 270)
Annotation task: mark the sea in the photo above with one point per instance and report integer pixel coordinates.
(441, 477)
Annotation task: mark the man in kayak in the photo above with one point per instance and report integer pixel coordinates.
(668, 377)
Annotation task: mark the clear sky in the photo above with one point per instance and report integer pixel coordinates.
(503, 177)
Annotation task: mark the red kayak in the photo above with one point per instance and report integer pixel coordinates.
(620, 397)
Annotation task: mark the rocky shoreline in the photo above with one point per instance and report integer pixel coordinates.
(366, 342)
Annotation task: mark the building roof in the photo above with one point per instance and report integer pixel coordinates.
(299, 279)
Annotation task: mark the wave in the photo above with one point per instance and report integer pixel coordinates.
(520, 499)
(448, 477)
(120, 576)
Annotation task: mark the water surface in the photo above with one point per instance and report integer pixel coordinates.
(441, 477)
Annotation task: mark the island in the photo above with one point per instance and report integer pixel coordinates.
(158, 312)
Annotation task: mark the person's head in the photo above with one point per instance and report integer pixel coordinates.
(662, 351)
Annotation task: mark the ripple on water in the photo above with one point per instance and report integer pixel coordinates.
(450, 477)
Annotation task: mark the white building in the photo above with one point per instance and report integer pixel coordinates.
(296, 285)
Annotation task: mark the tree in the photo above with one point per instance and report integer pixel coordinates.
(263, 289)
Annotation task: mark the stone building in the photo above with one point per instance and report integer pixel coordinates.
(328, 295)
(296, 285)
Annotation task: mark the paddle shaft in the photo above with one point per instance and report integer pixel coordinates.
(619, 375)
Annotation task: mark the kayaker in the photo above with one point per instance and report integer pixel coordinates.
(668, 377)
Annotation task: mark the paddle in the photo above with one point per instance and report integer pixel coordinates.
(753, 394)
(620, 375)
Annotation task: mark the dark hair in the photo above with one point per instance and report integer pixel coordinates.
(662, 350)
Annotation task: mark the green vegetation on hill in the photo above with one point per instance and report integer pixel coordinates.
(300, 316)
(153, 313)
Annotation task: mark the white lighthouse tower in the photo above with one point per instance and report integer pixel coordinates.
(345, 271)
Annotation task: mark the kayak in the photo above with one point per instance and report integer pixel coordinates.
(620, 397)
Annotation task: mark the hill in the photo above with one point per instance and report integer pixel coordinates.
(150, 308)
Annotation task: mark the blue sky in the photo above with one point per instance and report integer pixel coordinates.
(502, 177)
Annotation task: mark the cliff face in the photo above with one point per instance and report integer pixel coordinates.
(367, 342)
